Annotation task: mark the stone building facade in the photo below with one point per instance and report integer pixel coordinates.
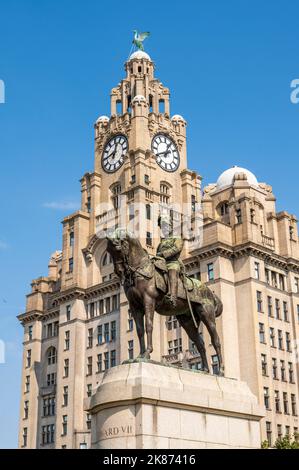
(77, 323)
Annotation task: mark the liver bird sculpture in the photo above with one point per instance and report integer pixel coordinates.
(139, 38)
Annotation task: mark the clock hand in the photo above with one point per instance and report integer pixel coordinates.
(165, 152)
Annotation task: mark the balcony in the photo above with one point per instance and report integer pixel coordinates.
(268, 242)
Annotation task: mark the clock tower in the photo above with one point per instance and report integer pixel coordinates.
(140, 158)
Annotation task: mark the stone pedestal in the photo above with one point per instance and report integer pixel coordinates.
(148, 405)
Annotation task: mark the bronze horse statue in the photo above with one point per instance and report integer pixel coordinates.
(130, 260)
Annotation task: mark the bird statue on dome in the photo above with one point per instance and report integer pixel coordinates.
(139, 38)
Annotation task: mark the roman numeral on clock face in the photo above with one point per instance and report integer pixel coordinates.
(114, 153)
(166, 152)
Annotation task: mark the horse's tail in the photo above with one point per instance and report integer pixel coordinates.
(218, 306)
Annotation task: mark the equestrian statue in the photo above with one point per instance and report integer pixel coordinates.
(159, 284)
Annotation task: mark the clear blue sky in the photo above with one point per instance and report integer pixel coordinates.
(228, 64)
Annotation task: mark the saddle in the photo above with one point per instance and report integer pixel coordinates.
(194, 287)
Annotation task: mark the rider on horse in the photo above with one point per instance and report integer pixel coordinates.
(170, 249)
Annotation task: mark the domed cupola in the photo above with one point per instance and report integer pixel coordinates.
(228, 177)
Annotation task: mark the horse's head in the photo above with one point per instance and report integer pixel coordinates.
(123, 245)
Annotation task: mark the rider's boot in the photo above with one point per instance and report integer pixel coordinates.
(173, 287)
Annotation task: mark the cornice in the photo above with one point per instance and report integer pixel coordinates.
(247, 249)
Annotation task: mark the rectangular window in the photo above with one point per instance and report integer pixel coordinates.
(66, 340)
(106, 360)
(65, 396)
(259, 301)
(264, 364)
(51, 379)
(282, 371)
(90, 338)
(146, 179)
(27, 383)
(115, 302)
(297, 285)
(287, 430)
(30, 329)
(56, 328)
(89, 365)
(272, 338)
(148, 212)
(293, 404)
(288, 342)
(99, 363)
(130, 321)
(68, 312)
(28, 358)
(262, 333)
(280, 339)
(100, 334)
(210, 267)
(281, 282)
(49, 330)
(193, 203)
(149, 240)
(239, 216)
(71, 265)
(113, 358)
(91, 310)
(107, 305)
(89, 390)
(285, 403)
(88, 421)
(274, 368)
(266, 398)
(270, 314)
(267, 276)
(257, 270)
(277, 309)
(66, 368)
(26, 409)
(101, 306)
(277, 401)
(25, 436)
(49, 406)
(72, 238)
(113, 331)
(131, 349)
(106, 333)
(64, 425)
(285, 311)
(48, 433)
(273, 279)
(291, 373)
(279, 432)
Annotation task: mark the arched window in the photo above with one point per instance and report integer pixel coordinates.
(52, 356)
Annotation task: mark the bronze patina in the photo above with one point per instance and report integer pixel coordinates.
(147, 288)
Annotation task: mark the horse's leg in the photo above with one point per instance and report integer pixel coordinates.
(149, 307)
(187, 323)
(208, 318)
(138, 316)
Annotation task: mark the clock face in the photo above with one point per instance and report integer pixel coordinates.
(166, 151)
(114, 153)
